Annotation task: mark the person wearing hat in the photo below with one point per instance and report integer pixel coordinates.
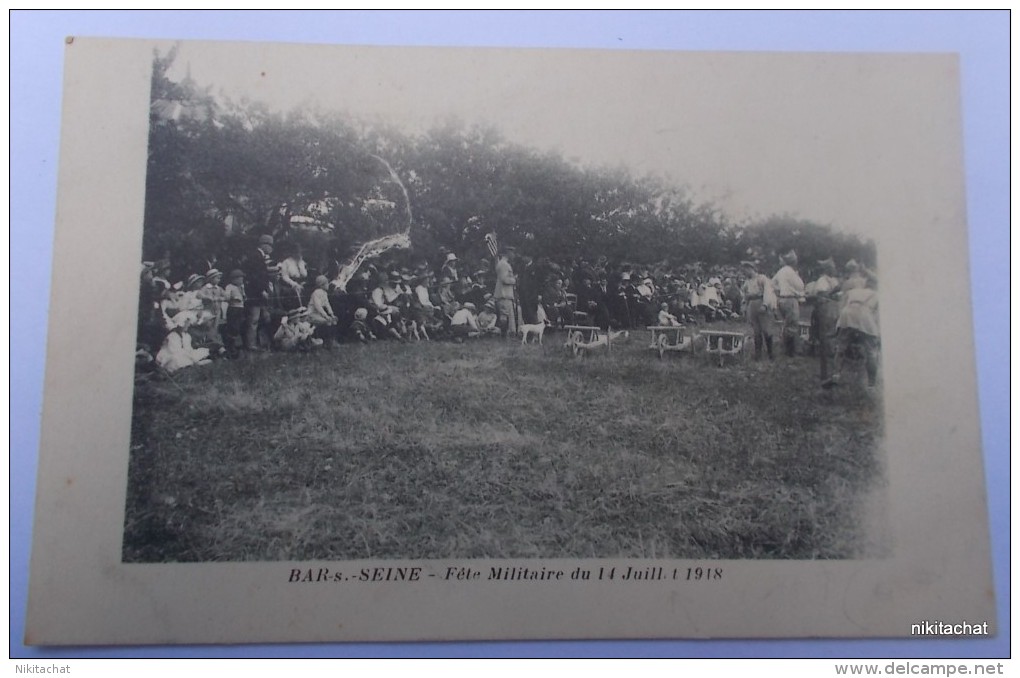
(597, 302)
(320, 312)
(824, 298)
(207, 300)
(293, 275)
(557, 303)
(177, 351)
(759, 300)
(384, 304)
(463, 323)
(233, 328)
(421, 309)
(857, 276)
(449, 271)
(732, 296)
(790, 290)
(487, 318)
(256, 264)
(857, 325)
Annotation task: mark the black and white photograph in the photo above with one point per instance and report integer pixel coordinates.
(431, 333)
(441, 330)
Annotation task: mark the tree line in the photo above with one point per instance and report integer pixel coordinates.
(219, 169)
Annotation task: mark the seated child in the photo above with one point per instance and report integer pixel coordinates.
(359, 328)
(667, 319)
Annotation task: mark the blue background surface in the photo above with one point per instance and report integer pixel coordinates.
(981, 39)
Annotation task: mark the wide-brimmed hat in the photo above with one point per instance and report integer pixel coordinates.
(469, 306)
(184, 319)
(193, 280)
(828, 265)
(746, 263)
(451, 257)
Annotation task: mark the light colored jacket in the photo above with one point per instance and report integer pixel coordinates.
(505, 280)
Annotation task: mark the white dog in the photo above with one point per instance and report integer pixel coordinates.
(538, 329)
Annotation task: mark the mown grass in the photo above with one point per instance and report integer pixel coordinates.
(491, 449)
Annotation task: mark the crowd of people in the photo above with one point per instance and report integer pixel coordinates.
(269, 298)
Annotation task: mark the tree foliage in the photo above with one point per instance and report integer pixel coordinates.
(218, 171)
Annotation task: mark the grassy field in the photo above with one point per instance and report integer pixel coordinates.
(492, 449)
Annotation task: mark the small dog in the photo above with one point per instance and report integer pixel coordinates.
(416, 330)
(538, 329)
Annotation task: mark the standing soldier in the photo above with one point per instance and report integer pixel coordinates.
(825, 312)
(790, 290)
(256, 266)
(759, 300)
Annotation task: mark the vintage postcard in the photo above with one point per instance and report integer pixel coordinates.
(366, 343)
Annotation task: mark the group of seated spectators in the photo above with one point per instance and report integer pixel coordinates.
(259, 302)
